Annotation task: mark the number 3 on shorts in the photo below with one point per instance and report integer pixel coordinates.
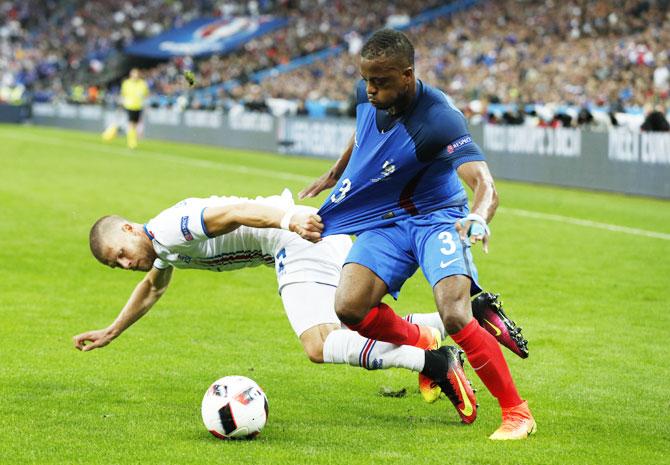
(447, 239)
(346, 187)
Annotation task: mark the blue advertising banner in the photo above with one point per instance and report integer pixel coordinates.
(206, 36)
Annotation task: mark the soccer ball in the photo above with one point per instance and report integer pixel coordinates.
(234, 407)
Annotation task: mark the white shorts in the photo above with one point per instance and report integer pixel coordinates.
(300, 261)
(308, 305)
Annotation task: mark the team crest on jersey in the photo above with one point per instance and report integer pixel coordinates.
(184, 229)
(388, 168)
(458, 143)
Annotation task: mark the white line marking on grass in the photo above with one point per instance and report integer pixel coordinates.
(162, 156)
(586, 223)
(297, 177)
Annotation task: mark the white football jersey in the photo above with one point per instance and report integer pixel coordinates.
(180, 239)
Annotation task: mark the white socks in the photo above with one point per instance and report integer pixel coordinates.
(428, 319)
(345, 346)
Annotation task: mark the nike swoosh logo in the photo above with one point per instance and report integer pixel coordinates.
(495, 328)
(467, 405)
(446, 264)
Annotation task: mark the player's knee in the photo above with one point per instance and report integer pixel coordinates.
(452, 296)
(314, 352)
(455, 320)
(349, 309)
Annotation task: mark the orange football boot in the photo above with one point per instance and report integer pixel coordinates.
(429, 339)
(517, 423)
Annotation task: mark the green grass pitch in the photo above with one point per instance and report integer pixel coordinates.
(593, 304)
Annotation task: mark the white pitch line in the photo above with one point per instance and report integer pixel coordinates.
(297, 177)
(138, 153)
(586, 223)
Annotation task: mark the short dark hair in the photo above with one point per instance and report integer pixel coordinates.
(96, 237)
(389, 43)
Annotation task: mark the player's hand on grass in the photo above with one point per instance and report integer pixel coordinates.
(324, 182)
(474, 232)
(307, 224)
(93, 339)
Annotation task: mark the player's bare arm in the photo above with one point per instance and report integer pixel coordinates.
(477, 176)
(330, 178)
(146, 294)
(300, 220)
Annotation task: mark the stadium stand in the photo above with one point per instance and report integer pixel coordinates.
(313, 26)
(510, 61)
(47, 46)
(564, 57)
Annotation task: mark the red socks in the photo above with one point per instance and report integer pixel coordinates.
(383, 324)
(486, 358)
(481, 348)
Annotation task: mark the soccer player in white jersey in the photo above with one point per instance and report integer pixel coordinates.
(228, 233)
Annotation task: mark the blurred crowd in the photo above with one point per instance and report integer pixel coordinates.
(512, 61)
(583, 55)
(314, 25)
(43, 43)
(516, 61)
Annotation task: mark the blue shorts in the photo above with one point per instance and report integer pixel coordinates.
(430, 241)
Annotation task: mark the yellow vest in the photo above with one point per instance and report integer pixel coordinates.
(133, 93)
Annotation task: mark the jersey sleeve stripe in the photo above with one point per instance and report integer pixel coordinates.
(148, 233)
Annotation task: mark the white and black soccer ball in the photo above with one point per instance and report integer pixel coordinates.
(234, 407)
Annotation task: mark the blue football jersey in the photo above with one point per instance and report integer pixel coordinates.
(401, 167)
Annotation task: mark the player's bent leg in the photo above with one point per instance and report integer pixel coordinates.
(344, 346)
(487, 309)
(357, 304)
(309, 307)
(348, 347)
(481, 348)
(452, 296)
(359, 291)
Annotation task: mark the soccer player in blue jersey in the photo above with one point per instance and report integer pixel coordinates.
(397, 188)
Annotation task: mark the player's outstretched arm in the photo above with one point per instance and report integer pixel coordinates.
(298, 219)
(329, 179)
(477, 176)
(145, 295)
